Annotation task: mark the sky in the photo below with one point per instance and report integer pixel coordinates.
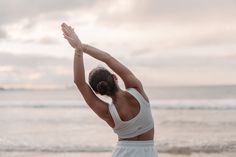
(164, 42)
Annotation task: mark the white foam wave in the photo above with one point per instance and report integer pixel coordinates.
(205, 104)
(162, 147)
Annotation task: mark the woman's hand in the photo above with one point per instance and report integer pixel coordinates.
(71, 37)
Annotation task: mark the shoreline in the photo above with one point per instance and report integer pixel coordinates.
(158, 93)
(108, 154)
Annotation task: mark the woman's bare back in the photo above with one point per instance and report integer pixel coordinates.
(128, 108)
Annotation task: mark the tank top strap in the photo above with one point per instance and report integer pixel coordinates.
(114, 114)
(137, 95)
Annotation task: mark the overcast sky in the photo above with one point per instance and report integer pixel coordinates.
(164, 42)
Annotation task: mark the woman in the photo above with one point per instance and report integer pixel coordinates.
(129, 114)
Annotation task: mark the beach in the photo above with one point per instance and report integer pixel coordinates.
(66, 127)
(109, 155)
(178, 133)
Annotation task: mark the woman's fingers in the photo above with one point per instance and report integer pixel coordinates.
(69, 33)
(66, 26)
(66, 31)
(71, 29)
(68, 37)
(63, 24)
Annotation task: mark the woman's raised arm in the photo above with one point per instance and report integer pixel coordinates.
(96, 104)
(130, 80)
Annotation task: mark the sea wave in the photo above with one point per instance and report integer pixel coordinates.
(202, 104)
(162, 148)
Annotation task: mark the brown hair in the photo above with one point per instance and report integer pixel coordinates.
(102, 81)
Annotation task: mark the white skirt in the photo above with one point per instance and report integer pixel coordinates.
(135, 149)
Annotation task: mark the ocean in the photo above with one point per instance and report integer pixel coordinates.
(189, 121)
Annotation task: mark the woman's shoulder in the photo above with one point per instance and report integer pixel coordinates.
(138, 92)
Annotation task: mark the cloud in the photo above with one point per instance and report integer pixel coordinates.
(14, 10)
(147, 35)
(32, 69)
(6, 68)
(27, 60)
(35, 70)
(200, 36)
(3, 34)
(38, 21)
(147, 12)
(180, 62)
(172, 24)
(120, 12)
(48, 40)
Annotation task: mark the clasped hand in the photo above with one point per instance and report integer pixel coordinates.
(70, 35)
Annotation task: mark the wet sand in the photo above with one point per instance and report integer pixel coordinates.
(107, 154)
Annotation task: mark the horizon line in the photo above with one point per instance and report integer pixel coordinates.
(49, 88)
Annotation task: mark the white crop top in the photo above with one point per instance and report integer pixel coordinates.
(138, 125)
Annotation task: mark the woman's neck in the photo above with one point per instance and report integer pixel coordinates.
(119, 93)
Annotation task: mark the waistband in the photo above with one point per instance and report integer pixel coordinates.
(147, 143)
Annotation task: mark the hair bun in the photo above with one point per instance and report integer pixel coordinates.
(103, 88)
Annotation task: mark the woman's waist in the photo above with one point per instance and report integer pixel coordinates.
(127, 143)
(147, 136)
